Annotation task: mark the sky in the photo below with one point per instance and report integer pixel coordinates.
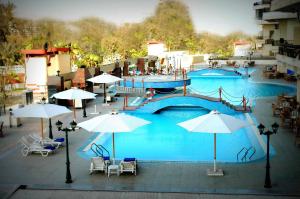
(217, 16)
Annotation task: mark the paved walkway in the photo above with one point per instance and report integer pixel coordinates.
(44, 177)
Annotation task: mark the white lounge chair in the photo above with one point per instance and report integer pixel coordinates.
(34, 147)
(99, 164)
(128, 165)
(45, 141)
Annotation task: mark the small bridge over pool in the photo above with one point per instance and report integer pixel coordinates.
(210, 103)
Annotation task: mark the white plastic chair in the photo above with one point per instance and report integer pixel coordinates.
(99, 164)
(128, 166)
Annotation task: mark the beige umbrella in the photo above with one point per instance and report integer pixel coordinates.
(74, 94)
(113, 123)
(41, 111)
(214, 122)
(104, 79)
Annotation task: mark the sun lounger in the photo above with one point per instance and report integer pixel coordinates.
(128, 165)
(45, 141)
(99, 164)
(34, 147)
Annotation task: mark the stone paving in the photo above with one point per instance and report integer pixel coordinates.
(37, 177)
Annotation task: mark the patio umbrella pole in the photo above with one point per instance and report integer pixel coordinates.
(42, 130)
(215, 152)
(74, 114)
(113, 145)
(104, 93)
(50, 129)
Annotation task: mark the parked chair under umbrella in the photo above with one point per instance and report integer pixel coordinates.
(214, 122)
(74, 94)
(42, 111)
(104, 79)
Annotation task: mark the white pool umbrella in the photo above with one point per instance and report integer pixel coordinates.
(104, 79)
(74, 94)
(40, 111)
(113, 123)
(214, 122)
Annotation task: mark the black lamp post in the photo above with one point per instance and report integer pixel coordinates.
(250, 54)
(66, 130)
(10, 119)
(58, 71)
(261, 129)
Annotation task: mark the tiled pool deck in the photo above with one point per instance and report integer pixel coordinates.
(44, 177)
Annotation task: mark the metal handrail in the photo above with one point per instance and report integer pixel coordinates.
(246, 153)
(237, 155)
(99, 150)
(96, 150)
(254, 151)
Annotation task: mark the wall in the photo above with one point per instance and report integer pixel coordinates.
(59, 62)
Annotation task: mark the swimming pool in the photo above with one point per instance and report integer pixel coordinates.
(164, 140)
(234, 87)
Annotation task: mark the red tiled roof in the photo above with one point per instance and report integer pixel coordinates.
(44, 52)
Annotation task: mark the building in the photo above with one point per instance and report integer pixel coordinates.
(283, 31)
(266, 44)
(155, 48)
(42, 63)
(241, 48)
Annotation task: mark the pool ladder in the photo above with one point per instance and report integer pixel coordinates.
(246, 152)
(99, 150)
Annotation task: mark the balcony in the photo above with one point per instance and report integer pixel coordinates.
(285, 5)
(263, 22)
(277, 15)
(261, 5)
(272, 42)
(290, 50)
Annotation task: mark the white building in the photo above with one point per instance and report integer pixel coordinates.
(155, 48)
(242, 48)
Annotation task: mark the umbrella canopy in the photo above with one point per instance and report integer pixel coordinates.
(74, 94)
(41, 111)
(113, 123)
(214, 122)
(104, 79)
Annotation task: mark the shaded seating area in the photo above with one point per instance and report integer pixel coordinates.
(99, 164)
(128, 165)
(287, 108)
(30, 146)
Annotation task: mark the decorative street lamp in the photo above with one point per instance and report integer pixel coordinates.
(250, 54)
(10, 119)
(261, 129)
(66, 130)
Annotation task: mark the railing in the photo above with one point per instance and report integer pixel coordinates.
(218, 95)
(262, 2)
(290, 50)
(98, 149)
(246, 152)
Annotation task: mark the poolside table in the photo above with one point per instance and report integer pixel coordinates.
(113, 169)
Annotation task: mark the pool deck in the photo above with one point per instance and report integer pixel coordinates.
(37, 177)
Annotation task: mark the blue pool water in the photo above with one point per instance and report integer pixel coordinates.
(163, 140)
(235, 87)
